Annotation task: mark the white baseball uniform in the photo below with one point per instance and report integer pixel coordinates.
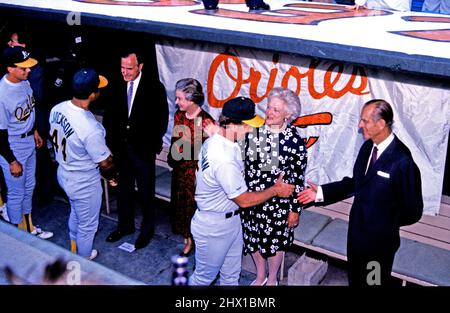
(216, 224)
(17, 115)
(79, 143)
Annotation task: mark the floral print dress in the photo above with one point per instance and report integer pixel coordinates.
(267, 154)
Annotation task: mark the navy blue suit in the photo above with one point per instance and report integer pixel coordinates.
(135, 141)
(387, 197)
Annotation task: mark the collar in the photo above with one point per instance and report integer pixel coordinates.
(135, 81)
(384, 144)
(74, 107)
(10, 82)
(225, 140)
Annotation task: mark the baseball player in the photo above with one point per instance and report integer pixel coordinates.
(19, 138)
(80, 150)
(221, 192)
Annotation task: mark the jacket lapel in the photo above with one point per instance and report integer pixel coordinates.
(385, 157)
(123, 102)
(361, 163)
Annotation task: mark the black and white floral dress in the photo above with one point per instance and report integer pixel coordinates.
(267, 154)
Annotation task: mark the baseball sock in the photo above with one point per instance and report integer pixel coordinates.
(21, 225)
(73, 246)
(28, 223)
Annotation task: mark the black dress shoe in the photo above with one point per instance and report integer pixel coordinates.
(186, 254)
(117, 235)
(142, 241)
(259, 7)
(211, 8)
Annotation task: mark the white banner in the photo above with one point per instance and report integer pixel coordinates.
(331, 94)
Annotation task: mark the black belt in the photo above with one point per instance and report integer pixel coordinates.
(31, 132)
(231, 214)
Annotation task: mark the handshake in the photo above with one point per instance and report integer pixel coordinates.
(284, 190)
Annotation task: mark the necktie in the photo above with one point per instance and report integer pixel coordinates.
(129, 96)
(373, 159)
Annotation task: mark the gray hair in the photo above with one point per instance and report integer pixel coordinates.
(290, 99)
(383, 110)
(192, 89)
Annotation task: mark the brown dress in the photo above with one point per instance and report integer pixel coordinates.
(187, 138)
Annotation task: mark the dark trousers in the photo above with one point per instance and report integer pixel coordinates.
(214, 3)
(3, 190)
(135, 171)
(359, 274)
(46, 181)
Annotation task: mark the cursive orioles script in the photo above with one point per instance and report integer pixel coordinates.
(356, 83)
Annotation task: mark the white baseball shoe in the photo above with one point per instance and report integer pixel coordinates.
(94, 254)
(4, 213)
(42, 233)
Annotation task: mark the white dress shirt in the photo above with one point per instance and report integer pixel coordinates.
(381, 148)
(135, 87)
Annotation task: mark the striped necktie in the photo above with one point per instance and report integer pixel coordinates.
(130, 96)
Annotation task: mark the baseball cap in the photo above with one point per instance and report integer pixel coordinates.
(87, 81)
(18, 56)
(242, 109)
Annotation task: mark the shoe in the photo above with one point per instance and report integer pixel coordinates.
(4, 213)
(191, 248)
(41, 233)
(211, 9)
(94, 254)
(263, 283)
(186, 254)
(117, 235)
(142, 241)
(259, 7)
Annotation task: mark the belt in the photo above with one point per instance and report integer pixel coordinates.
(31, 132)
(231, 214)
(219, 214)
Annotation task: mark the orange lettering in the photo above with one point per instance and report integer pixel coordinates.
(428, 19)
(322, 118)
(441, 35)
(255, 77)
(332, 77)
(310, 141)
(219, 60)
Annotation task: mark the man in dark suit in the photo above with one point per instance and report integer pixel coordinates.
(135, 124)
(386, 185)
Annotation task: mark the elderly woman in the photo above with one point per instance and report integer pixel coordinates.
(276, 148)
(187, 138)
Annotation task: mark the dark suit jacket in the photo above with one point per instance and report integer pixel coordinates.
(381, 204)
(147, 124)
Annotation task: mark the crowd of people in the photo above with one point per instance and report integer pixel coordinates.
(238, 184)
